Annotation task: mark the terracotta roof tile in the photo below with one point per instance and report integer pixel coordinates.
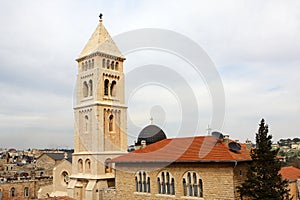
(290, 173)
(189, 149)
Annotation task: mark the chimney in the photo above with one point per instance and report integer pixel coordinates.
(248, 144)
(143, 144)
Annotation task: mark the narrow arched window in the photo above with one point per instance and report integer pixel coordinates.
(106, 83)
(195, 185)
(148, 184)
(12, 192)
(85, 89)
(113, 89)
(107, 64)
(112, 65)
(108, 166)
(158, 185)
(200, 188)
(111, 123)
(80, 165)
(163, 184)
(91, 88)
(140, 182)
(136, 184)
(184, 187)
(93, 63)
(88, 165)
(172, 187)
(144, 182)
(168, 183)
(86, 65)
(90, 65)
(103, 63)
(86, 124)
(117, 66)
(26, 192)
(82, 66)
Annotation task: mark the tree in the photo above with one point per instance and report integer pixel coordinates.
(263, 178)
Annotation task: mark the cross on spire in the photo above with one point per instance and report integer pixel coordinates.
(100, 16)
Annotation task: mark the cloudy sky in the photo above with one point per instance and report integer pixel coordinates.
(254, 45)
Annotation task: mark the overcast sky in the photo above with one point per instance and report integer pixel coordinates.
(254, 45)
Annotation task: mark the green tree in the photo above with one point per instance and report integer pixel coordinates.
(263, 180)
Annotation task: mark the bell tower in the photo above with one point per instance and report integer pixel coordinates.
(100, 116)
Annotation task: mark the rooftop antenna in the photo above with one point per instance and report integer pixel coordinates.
(208, 130)
(151, 120)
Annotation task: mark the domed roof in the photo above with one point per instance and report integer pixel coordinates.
(151, 134)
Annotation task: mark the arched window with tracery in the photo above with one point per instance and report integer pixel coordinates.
(12, 192)
(103, 63)
(111, 123)
(80, 165)
(106, 83)
(113, 89)
(142, 182)
(85, 89)
(166, 183)
(91, 88)
(192, 184)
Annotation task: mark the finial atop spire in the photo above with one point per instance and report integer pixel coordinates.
(151, 120)
(100, 16)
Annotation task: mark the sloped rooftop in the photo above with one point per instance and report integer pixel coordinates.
(189, 149)
(290, 173)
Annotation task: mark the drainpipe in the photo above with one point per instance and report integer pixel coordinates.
(235, 164)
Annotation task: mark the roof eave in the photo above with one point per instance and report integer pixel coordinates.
(183, 161)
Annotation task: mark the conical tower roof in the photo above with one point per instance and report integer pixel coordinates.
(101, 42)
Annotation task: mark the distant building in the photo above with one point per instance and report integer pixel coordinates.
(292, 174)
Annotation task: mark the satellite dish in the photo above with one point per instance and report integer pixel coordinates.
(234, 146)
(217, 135)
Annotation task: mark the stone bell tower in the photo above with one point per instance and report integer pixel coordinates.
(100, 116)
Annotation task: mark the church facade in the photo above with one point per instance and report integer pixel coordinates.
(100, 116)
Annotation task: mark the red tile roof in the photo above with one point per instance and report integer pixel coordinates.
(290, 173)
(190, 149)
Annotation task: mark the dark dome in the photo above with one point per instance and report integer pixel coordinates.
(151, 134)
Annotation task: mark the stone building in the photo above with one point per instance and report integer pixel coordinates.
(200, 167)
(292, 174)
(100, 116)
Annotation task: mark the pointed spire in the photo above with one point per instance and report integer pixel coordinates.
(101, 41)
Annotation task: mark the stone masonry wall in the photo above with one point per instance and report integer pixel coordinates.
(218, 180)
